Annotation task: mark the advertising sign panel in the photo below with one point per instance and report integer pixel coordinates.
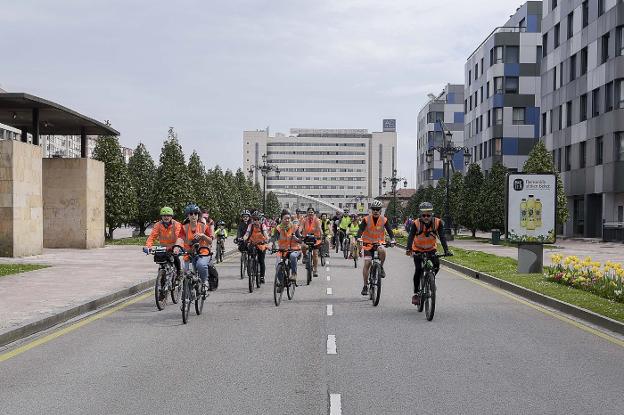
(531, 208)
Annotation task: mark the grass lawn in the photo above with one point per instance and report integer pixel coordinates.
(8, 269)
(139, 240)
(505, 269)
(502, 242)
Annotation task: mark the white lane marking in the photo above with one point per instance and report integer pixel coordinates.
(335, 406)
(331, 344)
(329, 291)
(328, 278)
(330, 310)
(327, 269)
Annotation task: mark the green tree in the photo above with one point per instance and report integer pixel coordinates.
(473, 182)
(273, 206)
(438, 198)
(414, 202)
(455, 198)
(541, 161)
(399, 211)
(120, 200)
(493, 199)
(198, 181)
(142, 172)
(175, 189)
(230, 208)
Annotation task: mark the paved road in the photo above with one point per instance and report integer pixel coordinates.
(484, 353)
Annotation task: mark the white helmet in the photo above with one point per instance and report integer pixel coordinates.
(376, 205)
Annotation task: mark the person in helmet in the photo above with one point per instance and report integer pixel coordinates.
(287, 237)
(221, 232)
(343, 225)
(166, 232)
(352, 232)
(311, 225)
(258, 235)
(242, 228)
(194, 231)
(371, 231)
(422, 238)
(208, 220)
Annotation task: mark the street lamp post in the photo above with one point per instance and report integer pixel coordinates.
(447, 153)
(265, 168)
(394, 180)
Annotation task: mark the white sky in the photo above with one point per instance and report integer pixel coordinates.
(215, 68)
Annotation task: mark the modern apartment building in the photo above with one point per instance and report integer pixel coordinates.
(447, 107)
(340, 167)
(502, 91)
(583, 108)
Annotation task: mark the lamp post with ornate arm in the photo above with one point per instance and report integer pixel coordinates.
(447, 153)
(394, 180)
(265, 168)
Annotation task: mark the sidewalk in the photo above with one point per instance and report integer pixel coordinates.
(598, 251)
(75, 277)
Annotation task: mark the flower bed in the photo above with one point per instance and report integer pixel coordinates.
(605, 280)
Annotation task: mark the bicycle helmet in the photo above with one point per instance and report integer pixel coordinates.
(353, 215)
(245, 213)
(376, 205)
(255, 214)
(311, 209)
(192, 208)
(220, 223)
(425, 207)
(166, 211)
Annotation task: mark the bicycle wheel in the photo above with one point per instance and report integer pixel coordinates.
(355, 257)
(250, 274)
(309, 267)
(430, 297)
(345, 248)
(290, 289)
(421, 287)
(337, 243)
(322, 255)
(257, 273)
(160, 294)
(278, 285)
(200, 297)
(176, 288)
(372, 276)
(243, 265)
(186, 299)
(377, 289)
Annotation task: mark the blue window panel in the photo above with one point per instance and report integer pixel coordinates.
(430, 142)
(450, 98)
(532, 115)
(512, 69)
(437, 126)
(498, 101)
(458, 161)
(510, 146)
(438, 174)
(458, 117)
(531, 23)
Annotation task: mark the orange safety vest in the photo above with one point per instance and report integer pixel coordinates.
(286, 236)
(190, 234)
(256, 235)
(313, 227)
(426, 241)
(166, 236)
(374, 233)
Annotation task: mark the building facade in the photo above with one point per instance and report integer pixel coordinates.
(583, 108)
(502, 91)
(338, 167)
(447, 107)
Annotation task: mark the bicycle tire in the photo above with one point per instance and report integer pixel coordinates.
(186, 300)
(309, 267)
(290, 289)
(243, 265)
(279, 282)
(337, 242)
(176, 289)
(355, 259)
(377, 282)
(322, 259)
(431, 297)
(199, 300)
(345, 249)
(160, 295)
(250, 274)
(372, 272)
(421, 288)
(257, 273)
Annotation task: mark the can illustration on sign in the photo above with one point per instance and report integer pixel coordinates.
(531, 205)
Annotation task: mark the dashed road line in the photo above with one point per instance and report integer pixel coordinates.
(331, 344)
(330, 310)
(329, 291)
(328, 278)
(335, 404)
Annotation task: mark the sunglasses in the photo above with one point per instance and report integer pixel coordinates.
(376, 210)
(193, 214)
(426, 215)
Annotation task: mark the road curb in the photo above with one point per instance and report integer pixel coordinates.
(51, 321)
(578, 312)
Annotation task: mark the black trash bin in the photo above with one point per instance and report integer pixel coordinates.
(496, 233)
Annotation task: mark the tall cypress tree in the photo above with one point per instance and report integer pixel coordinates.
(493, 199)
(471, 194)
(142, 172)
(174, 187)
(455, 198)
(198, 181)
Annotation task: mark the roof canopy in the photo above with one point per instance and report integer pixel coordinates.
(21, 110)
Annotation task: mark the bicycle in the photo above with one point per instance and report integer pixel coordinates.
(374, 278)
(324, 251)
(346, 246)
(310, 241)
(355, 253)
(282, 277)
(220, 248)
(167, 282)
(253, 267)
(427, 284)
(192, 288)
(340, 235)
(243, 260)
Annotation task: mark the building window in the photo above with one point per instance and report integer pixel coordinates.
(619, 146)
(498, 54)
(481, 94)
(487, 89)
(601, 7)
(498, 146)
(551, 116)
(585, 13)
(512, 54)
(559, 159)
(481, 151)
(572, 67)
(599, 149)
(568, 150)
(608, 97)
(465, 106)
(583, 108)
(489, 121)
(570, 25)
(522, 24)
(469, 78)
(518, 116)
(620, 41)
(604, 55)
(481, 66)
(554, 4)
(584, 61)
(560, 117)
(511, 85)
(560, 74)
(498, 116)
(619, 94)
(582, 154)
(544, 123)
(538, 55)
(476, 71)
(569, 114)
(596, 102)
(544, 45)
(556, 35)
(555, 78)
(498, 85)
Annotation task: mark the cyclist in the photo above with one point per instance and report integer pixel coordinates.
(191, 232)
(166, 232)
(335, 220)
(311, 225)
(258, 234)
(221, 233)
(288, 236)
(326, 227)
(422, 238)
(208, 220)
(352, 231)
(344, 223)
(372, 231)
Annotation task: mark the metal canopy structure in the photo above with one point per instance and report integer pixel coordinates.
(38, 116)
(314, 199)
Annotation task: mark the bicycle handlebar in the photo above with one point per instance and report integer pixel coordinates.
(428, 254)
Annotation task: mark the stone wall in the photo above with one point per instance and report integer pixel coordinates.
(21, 209)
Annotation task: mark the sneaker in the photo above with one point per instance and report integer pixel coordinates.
(382, 272)
(261, 280)
(365, 290)
(315, 275)
(416, 299)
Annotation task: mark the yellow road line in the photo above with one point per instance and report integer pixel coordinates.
(69, 329)
(541, 309)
